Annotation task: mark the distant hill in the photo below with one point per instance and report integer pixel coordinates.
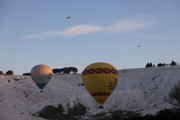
(141, 90)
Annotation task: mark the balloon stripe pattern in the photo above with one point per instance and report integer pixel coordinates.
(101, 94)
(100, 70)
(100, 79)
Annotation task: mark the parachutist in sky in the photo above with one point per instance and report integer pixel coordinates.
(68, 19)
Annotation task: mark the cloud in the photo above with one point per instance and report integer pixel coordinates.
(73, 31)
(126, 25)
(35, 36)
(82, 30)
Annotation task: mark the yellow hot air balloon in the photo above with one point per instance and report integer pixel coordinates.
(100, 79)
(41, 74)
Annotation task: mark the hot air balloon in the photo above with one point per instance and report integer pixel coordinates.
(100, 79)
(41, 74)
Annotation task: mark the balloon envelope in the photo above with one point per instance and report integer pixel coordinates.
(41, 74)
(100, 79)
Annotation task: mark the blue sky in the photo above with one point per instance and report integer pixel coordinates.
(37, 32)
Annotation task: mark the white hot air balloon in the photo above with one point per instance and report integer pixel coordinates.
(41, 75)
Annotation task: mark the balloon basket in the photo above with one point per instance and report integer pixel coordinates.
(101, 107)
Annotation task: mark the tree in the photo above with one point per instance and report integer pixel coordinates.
(173, 63)
(9, 72)
(26, 74)
(149, 64)
(174, 95)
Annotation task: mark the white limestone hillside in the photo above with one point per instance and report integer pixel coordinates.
(142, 90)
